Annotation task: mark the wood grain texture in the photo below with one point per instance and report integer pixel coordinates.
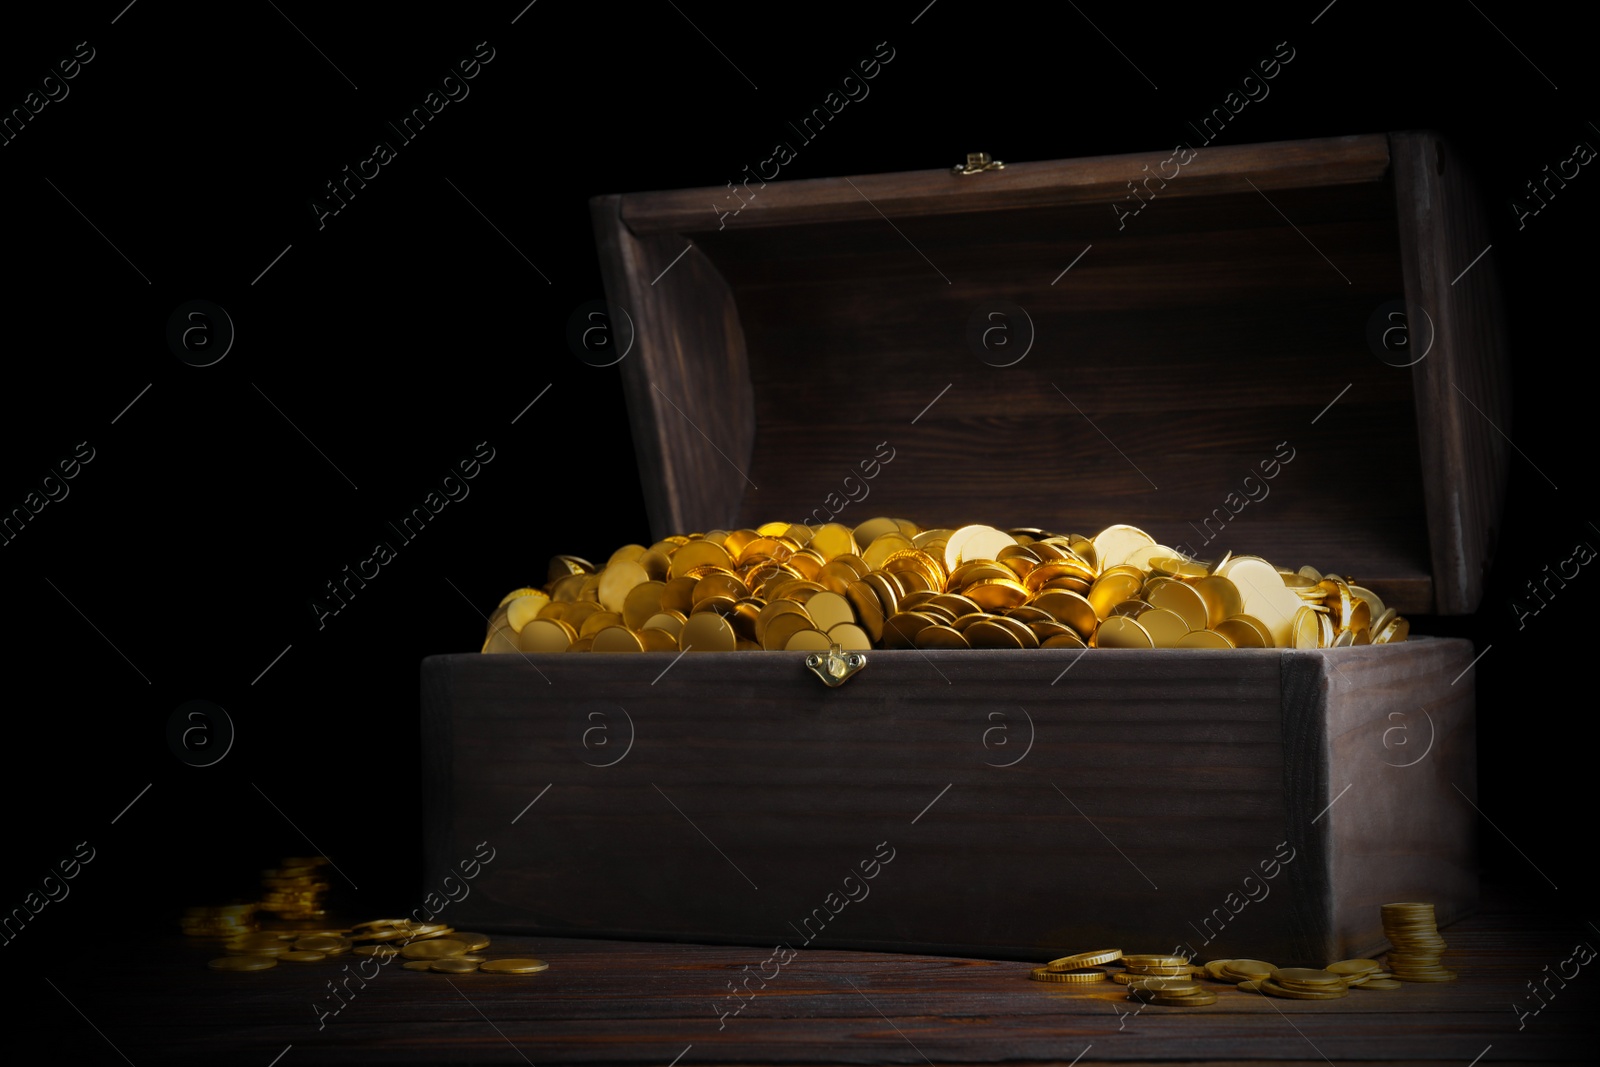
(616, 1002)
(1143, 790)
(1098, 180)
(1402, 743)
(1462, 386)
(686, 381)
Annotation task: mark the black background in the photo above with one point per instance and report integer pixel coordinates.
(408, 330)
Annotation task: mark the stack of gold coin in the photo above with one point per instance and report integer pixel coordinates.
(220, 923)
(295, 889)
(1413, 931)
(1146, 966)
(1172, 992)
(1235, 971)
(888, 583)
(1076, 969)
(1363, 974)
(1305, 983)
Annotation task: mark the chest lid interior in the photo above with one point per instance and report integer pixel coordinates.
(1283, 349)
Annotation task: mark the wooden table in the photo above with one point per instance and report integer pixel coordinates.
(616, 1002)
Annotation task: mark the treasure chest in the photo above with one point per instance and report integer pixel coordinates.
(1287, 350)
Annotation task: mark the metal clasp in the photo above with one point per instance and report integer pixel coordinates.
(836, 666)
(977, 161)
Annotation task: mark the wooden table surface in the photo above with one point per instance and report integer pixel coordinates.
(657, 1004)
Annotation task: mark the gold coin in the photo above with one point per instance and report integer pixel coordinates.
(243, 963)
(1119, 631)
(473, 942)
(454, 965)
(546, 635)
(1147, 960)
(989, 634)
(1075, 977)
(1199, 998)
(808, 641)
(1353, 967)
(828, 610)
(784, 626)
(883, 546)
(1111, 590)
(1306, 976)
(433, 950)
(1183, 600)
(1250, 985)
(1245, 631)
(524, 609)
(901, 629)
(616, 639)
(1306, 630)
(1177, 986)
(1203, 639)
(1378, 983)
(707, 632)
(1167, 629)
(1243, 968)
(850, 637)
(302, 956)
(380, 951)
(1114, 544)
(701, 553)
(1269, 986)
(1134, 974)
(642, 602)
(868, 608)
(1085, 959)
(418, 965)
(323, 943)
(941, 637)
(1172, 566)
(1066, 640)
(513, 966)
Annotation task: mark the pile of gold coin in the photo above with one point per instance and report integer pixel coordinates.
(1412, 930)
(1173, 981)
(295, 889)
(432, 947)
(888, 583)
(223, 923)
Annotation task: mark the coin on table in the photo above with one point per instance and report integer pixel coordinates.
(323, 943)
(243, 963)
(514, 966)
(433, 950)
(1175, 986)
(453, 965)
(1353, 967)
(1273, 988)
(1085, 959)
(418, 965)
(1076, 977)
(1141, 959)
(473, 942)
(1378, 983)
(1306, 976)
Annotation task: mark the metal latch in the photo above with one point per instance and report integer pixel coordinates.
(977, 161)
(836, 666)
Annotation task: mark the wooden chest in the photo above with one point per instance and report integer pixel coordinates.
(1066, 345)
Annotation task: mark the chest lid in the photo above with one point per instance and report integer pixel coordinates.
(1283, 349)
